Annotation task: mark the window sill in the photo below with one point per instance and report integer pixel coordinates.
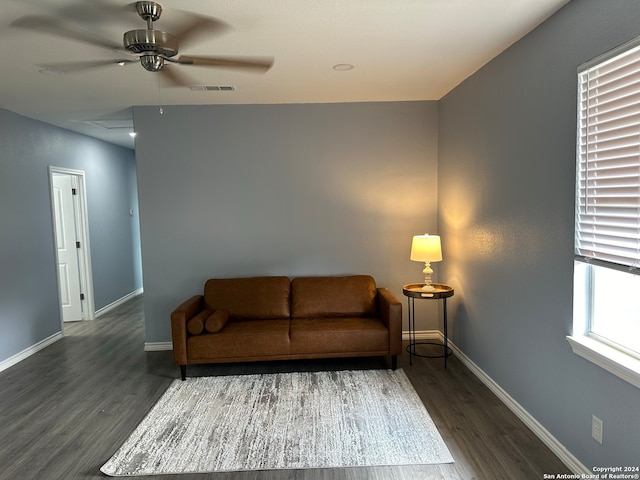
(614, 361)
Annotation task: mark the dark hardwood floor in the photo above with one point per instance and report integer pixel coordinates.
(65, 410)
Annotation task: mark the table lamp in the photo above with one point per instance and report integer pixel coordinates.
(426, 248)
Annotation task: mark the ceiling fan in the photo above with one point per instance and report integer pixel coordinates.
(154, 48)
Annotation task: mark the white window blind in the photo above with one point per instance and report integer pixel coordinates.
(608, 176)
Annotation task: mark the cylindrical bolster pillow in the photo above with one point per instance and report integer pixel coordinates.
(195, 325)
(216, 321)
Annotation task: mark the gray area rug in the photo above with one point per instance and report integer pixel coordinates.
(282, 421)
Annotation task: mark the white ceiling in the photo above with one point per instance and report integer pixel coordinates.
(400, 50)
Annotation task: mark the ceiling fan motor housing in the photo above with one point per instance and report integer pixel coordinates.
(150, 41)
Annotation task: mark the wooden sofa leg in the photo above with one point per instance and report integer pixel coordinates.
(183, 372)
(394, 362)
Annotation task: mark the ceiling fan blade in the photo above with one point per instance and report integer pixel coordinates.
(198, 26)
(97, 12)
(172, 78)
(256, 64)
(53, 27)
(72, 67)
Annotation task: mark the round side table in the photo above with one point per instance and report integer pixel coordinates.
(414, 291)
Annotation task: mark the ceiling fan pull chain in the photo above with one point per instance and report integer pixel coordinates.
(160, 110)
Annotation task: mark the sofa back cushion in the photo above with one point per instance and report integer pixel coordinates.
(249, 298)
(349, 296)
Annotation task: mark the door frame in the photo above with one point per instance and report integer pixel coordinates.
(82, 227)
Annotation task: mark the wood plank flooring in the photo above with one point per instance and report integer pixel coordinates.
(65, 410)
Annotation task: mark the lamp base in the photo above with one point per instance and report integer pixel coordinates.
(428, 287)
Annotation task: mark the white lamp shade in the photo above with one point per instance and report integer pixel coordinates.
(426, 248)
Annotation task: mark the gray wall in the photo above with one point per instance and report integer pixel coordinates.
(29, 309)
(290, 190)
(506, 182)
(115, 234)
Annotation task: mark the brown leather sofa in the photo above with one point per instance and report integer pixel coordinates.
(275, 318)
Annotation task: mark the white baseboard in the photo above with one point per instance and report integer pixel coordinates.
(27, 352)
(536, 427)
(118, 302)
(158, 346)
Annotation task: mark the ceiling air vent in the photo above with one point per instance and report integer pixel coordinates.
(111, 123)
(212, 88)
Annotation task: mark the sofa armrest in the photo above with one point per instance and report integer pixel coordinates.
(179, 318)
(390, 310)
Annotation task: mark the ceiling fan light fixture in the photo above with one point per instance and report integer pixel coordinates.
(152, 63)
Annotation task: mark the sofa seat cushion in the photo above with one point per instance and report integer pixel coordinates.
(338, 335)
(249, 298)
(241, 339)
(348, 296)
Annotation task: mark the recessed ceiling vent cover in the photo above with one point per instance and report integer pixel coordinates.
(111, 123)
(212, 88)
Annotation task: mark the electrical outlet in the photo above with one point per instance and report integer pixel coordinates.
(596, 429)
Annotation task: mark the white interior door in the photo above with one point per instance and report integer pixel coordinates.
(66, 238)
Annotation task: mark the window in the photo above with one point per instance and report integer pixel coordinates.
(607, 221)
(612, 320)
